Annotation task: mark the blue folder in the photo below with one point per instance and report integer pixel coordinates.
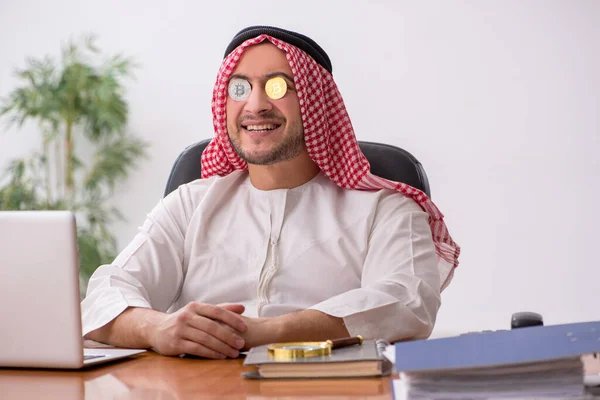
(487, 349)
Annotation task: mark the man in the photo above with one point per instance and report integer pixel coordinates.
(275, 243)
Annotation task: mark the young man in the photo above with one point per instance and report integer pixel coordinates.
(276, 243)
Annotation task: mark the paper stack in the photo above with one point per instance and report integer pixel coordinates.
(540, 362)
(551, 379)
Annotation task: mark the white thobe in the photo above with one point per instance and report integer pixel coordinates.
(365, 256)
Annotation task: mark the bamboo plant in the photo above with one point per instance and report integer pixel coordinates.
(79, 105)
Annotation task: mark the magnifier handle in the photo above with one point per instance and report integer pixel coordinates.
(343, 342)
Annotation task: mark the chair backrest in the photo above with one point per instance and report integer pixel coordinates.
(389, 162)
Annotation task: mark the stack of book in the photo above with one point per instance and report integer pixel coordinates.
(551, 379)
(533, 362)
(365, 360)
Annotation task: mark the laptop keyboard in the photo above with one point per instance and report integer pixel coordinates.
(90, 357)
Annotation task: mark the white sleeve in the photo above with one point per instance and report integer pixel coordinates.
(399, 295)
(148, 272)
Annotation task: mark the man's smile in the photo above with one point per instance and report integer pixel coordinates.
(260, 128)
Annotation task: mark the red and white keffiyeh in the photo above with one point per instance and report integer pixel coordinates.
(329, 138)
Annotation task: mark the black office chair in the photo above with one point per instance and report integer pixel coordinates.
(389, 162)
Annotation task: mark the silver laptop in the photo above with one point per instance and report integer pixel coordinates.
(40, 316)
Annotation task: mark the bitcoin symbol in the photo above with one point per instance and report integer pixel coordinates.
(276, 90)
(239, 90)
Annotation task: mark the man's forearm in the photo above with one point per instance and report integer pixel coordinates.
(310, 325)
(130, 329)
(133, 327)
(307, 325)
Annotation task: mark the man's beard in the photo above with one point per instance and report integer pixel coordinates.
(289, 148)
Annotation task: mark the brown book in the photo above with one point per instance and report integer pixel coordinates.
(364, 360)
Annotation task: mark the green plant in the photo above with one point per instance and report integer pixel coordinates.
(79, 106)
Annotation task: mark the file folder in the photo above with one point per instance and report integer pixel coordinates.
(487, 349)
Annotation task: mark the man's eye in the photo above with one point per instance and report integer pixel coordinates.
(239, 89)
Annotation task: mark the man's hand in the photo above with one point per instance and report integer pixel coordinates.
(200, 329)
(260, 331)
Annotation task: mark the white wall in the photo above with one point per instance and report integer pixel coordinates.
(500, 100)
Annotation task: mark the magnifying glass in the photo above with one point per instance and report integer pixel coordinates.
(292, 350)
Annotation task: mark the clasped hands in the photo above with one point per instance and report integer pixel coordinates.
(206, 330)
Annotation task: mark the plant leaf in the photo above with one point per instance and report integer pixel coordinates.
(113, 160)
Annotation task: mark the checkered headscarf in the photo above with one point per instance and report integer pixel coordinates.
(329, 138)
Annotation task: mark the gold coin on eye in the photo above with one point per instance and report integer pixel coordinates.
(276, 88)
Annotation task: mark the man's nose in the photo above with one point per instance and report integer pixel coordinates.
(258, 102)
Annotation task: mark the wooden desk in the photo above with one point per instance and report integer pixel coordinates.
(150, 376)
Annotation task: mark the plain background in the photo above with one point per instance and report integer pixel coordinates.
(500, 100)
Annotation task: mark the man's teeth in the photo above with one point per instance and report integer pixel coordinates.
(268, 127)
